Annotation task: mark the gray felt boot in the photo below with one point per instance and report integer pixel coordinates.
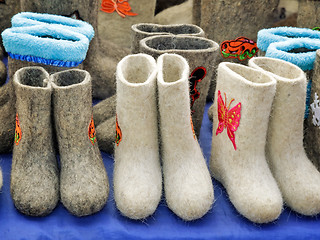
(102, 59)
(84, 184)
(143, 30)
(307, 9)
(200, 54)
(34, 174)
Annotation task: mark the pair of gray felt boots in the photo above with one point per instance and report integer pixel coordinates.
(35, 182)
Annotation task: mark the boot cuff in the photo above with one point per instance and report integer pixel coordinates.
(46, 44)
(280, 34)
(30, 19)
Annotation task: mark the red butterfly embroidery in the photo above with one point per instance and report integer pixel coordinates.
(228, 118)
(122, 7)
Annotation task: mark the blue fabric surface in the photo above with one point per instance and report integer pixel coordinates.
(279, 34)
(52, 42)
(30, 19)
(222, 222)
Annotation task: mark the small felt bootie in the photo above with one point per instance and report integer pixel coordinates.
(142, 30)
(34, 174)
(45, 46)
(297, 177)
(200, 54)
(137, 176)
(187, 182)
(242, 106)
(84, 184)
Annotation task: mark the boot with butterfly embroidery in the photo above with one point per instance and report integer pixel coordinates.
(137, 176)
(120, 16)
(102, 58)
(187, 182)
(297, 177)
(200, 54)
(242, 106)
(34, 174)
(84, 185)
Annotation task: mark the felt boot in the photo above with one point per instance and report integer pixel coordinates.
(102, 59)
(196, 12)
(312, 133)
(242, 107)
(187, 182)
(8, 8)
(84, 183)
(297, 177)
(119, 21)
(179, 14)
(44, 45)
(104, 110)
(105, 135)
(34, 174)
(200, 54)
(3, 72)
(137, 176)
(307, 9)
(143, 30)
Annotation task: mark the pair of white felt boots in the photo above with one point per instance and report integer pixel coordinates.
(148, 91)
(257, 141)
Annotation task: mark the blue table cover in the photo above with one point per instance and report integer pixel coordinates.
(222, 221)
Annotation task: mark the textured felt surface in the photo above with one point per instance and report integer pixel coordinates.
(222, 222)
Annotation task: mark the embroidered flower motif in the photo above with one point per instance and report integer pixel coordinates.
(195, 77)
(122, 7)
(315, 108)
(18, 133)
(118, 132)
(241, 48)
(228, 118)
(92, 132)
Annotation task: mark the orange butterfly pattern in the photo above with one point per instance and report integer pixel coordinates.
(229, 119)
(18, 133)
(122, 7)
(118, 132)
(92, 132)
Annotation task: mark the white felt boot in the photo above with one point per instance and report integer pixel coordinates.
(298, 179)
(137, 173)
(242, 106)
(187, 182)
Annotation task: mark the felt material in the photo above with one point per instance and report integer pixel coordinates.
(106, 134)
(235, 19)
(143, 30)
(7, 117)
(301, 52)
(210, 113)
(118, 29)
(31, 19)
(3, 73)
(102, 59)
(305, 11)
(280, 34)
(34, 174)
(196, 12)
(187, 182)
(84, 185)
(15, 64)
(297, 177)
(243, 170)
(137, 176)
(179, 14)
(51, 42)
(199, 52)
(312, 134)
(104, 110)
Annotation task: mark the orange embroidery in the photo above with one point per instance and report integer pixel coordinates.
(118, 132)
(194, 135)
(92, 132)
(122, 7)
(18, 133)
